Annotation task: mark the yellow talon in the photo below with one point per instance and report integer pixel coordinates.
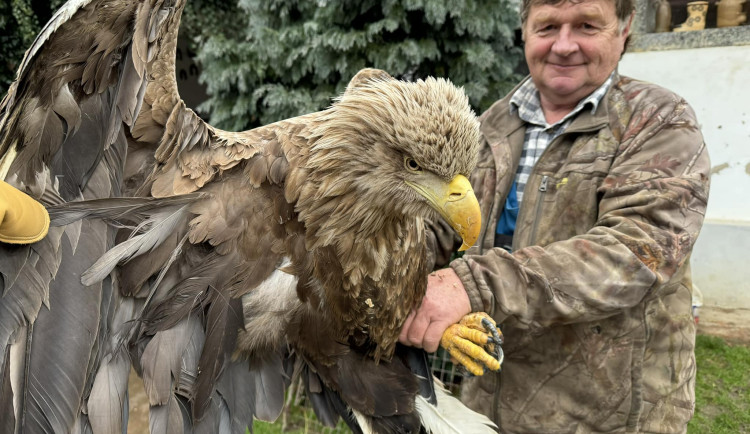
(474, 320)
(470, 365)
(471, 340)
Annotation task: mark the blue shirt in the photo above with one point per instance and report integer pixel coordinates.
(539, 134)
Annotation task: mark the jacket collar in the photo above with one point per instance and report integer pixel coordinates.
(498, 122)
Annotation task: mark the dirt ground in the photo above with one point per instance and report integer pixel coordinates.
(138, 419)
(732, 325)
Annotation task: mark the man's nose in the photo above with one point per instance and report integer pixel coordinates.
(565, 43)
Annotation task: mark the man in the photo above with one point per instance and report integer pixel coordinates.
(595, 299)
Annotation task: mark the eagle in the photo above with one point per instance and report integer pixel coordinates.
(220, 265)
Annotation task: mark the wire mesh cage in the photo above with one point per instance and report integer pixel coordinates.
(445, 371)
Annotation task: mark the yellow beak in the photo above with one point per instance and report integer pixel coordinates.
(456, 202)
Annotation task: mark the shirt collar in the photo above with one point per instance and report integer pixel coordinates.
(525, 101)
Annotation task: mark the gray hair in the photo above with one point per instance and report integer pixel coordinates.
(623, 9)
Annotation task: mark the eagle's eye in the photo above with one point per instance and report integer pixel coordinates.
(412, 164)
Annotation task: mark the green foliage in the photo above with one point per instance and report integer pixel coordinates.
(274, 59)
(299, 419)
(722, 391)
(20, 20)
(266, 60)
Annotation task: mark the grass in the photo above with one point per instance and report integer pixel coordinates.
(722, 389)
(298, 420)
(722, 393)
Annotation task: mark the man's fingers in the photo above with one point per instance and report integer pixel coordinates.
(417, 329)
(432, 336)
(445, 302)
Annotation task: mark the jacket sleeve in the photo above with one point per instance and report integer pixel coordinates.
(650, 211)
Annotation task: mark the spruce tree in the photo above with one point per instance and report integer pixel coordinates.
(20, 21)
(266, 60)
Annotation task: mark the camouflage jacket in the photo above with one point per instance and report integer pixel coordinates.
(595, 300)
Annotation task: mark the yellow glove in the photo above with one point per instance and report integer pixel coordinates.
(23, 220)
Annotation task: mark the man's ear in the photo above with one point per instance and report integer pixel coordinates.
(367, 75)
(626, 30)
(626, 34)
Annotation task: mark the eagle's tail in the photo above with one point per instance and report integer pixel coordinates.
(450, 415)
(438, 410)
(435, 411)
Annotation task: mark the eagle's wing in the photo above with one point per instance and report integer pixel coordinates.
(66, 124)
(173, 244)
(62, 138)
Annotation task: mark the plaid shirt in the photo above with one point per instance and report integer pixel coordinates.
(539, 134)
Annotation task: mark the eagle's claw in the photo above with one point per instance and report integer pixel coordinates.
(475, 343)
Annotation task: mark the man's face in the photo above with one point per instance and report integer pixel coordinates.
(571, 48)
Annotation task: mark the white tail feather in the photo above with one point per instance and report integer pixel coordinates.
(451, 416)
(363, 421)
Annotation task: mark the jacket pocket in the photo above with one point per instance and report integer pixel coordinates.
(562, 206)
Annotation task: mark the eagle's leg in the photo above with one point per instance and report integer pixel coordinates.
(475, 343)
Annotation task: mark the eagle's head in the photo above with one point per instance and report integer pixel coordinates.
(403, 149)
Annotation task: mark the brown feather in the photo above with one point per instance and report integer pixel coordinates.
(308, 234)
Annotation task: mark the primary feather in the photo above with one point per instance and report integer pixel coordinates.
(215, 261)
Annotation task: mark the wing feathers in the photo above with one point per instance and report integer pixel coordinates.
(133, 209)
(66, 107)
(24, 284)
(59, 18)
(270, 383)
(223, 321)
(162, 360)
(97, 84)
(58, 366)
(140, 43)
(186, 296)
(108, 403)
(96, 55)
(167, 418)
(158, 228)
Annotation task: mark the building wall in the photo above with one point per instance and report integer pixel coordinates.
(716, 83)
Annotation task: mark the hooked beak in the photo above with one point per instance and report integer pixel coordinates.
(456, 203)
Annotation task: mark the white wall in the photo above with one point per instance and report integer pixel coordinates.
(716, 83)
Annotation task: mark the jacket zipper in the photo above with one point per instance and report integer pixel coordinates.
(499, 379)
(538, 209)
(542, 189)
(532, 238)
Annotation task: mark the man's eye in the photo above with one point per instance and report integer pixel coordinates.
(412, 164)
(545, 29)
(587, 26)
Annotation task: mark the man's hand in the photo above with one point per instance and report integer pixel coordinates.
(444, 304)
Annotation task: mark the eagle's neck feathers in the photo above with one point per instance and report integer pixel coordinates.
(362, 237)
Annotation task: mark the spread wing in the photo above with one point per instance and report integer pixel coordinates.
(175, 247)
(94, 111)
(63, 139)
(137, 267)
